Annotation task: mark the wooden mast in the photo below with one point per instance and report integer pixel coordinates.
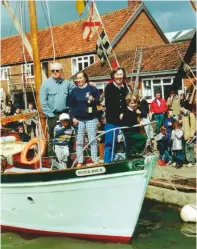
(36, 59)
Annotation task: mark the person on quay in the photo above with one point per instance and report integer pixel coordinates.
(189, 127)
(168, 124)
(177, 144)
(162, 146)
(173, 103)
(158, 107)
(31, 122)
(83, 101)
(64, 137)
(135, 141)
(115, 104)
(54, 93)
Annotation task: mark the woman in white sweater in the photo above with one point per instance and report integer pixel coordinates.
(177, 144)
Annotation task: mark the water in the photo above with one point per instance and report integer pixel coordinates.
(159, 227)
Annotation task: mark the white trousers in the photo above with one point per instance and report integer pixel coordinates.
(62, 153)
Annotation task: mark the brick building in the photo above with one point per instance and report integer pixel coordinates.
(126, 28)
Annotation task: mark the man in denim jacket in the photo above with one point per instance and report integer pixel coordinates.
(54, 94)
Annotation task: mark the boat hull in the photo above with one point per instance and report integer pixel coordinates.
(104, 207)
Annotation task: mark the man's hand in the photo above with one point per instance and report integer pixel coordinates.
(138, 111)
(121, 116)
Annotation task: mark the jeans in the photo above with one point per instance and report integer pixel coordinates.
(159, 118)
(109, 138)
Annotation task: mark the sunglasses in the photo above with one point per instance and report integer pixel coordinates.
(53, 71)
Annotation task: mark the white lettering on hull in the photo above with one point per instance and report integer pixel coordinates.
(93, 171)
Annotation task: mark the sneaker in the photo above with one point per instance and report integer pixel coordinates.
(170, 162)
(174, 165)
(189, 165)
(161, 162)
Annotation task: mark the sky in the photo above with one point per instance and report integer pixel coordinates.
(170, 15)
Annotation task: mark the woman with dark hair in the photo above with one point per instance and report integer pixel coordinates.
(115, 104)
(83, 100)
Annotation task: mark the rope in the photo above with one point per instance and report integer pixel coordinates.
(50, 27)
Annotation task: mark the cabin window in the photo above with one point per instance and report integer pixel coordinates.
(5, 73)
(151, 86)
(79, 63)
(28, 69)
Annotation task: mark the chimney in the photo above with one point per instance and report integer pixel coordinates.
(132, 3)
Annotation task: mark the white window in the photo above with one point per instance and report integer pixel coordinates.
(28, 69)
(151, 86)
(79, 63)
(5, 73)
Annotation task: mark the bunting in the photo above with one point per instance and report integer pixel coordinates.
(80, 5)
(91, 26)
(103, 48)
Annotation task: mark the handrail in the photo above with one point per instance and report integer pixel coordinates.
(113, 129)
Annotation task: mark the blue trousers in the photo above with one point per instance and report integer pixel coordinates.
(159, 118)
(109, 138)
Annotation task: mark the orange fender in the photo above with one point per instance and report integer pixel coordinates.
(27, 148)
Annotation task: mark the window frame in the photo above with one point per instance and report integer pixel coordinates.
(6, 70)
(161, 84)
(80, 59)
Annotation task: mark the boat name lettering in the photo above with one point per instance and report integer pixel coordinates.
(93, 171)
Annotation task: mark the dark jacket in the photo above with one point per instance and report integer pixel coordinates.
(115, 103)
(143, 107)
(130, 119)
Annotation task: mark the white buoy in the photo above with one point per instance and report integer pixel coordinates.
(189, 213)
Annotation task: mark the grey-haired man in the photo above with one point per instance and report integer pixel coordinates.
(54, 93)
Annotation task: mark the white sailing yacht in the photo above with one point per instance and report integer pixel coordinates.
(100, 201)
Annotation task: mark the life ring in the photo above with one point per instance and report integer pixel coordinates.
(28, 146)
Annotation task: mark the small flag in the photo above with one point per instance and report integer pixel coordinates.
(91, 26)
(115, 64)
(80, 5)
(103, 48)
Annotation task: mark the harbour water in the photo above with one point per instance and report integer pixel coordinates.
(159, 227)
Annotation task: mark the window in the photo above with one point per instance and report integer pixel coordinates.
(45, 68)
(79, 63)
(151, 86)
(28, 69)
(5, 73)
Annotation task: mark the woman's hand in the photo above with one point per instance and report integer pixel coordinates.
(121, 116)
(90, 98)
(138, 111)
(75, 121)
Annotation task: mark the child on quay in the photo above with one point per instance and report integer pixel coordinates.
(162, 146)
(64, 136)
(177, 145)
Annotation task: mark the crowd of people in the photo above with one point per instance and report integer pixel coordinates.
(26, 128)
(71, 109)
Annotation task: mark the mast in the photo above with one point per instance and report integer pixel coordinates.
(36, 59)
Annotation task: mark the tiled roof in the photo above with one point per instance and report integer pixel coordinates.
(159, 58)
(182, 35)
(68, 38)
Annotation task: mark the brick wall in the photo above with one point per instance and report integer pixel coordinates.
(141, 33)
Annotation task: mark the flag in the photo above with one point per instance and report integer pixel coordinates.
(80, 5)
(91, 26)
(103, 48)
(115, 64)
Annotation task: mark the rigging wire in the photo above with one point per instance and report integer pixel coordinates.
(50, 27)
(14, 15)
